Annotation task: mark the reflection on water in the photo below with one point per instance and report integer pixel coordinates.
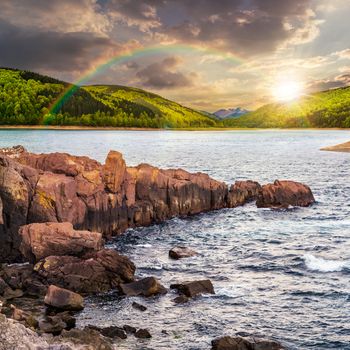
(282, 274)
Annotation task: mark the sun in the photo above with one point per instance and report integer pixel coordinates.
(287, 90)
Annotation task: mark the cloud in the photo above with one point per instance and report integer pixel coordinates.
(343, 54)
(48, 50)
(237, 26)
(339, 81)
(64, 16)
(163, 75)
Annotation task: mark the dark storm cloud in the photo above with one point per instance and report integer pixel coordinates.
(161, 75)
(240, 26)
(31, 49)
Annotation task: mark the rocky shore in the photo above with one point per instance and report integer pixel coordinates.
(57, 211)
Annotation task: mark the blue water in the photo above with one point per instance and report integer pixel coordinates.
(279, 274)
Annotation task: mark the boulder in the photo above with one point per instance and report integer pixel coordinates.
(181, 252)
(181, 299)
(45, 239)
(94, 273)
(86, 338)
(242, 192)
(63, 299)
(194, 288)
(282, 194)
(146, 287)
(239, 343)
(143, 334)
(129, 329)
(52, 325)
(111, 332)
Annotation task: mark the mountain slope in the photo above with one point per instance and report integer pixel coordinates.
(326, 109)
(26, 97)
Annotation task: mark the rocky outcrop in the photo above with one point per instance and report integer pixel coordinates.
(109, 198)
(282, 194)
(39, 241)
(239, 343)
(63, 299)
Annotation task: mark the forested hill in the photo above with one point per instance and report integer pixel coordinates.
(26, 98)
(328, 109)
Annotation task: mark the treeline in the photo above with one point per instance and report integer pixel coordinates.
(328, 109)
(28, 98)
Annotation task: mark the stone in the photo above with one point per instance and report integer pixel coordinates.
(181, 252)
(194, 288)
(13, 293)
(181, 299)
(86, 338)
(114, 171)
(52, 325)
(146, 287)
(63, 299)
(282, 194)
(138, 306)
(41, 240)
(93, 273)
(242, 192)
(143, 334)
(240, 343)
(129, 329)
(112, 332)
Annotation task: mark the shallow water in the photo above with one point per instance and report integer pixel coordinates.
(282, 274)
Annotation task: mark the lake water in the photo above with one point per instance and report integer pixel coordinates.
(281, 274)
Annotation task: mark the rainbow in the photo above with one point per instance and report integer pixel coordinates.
(133, 54)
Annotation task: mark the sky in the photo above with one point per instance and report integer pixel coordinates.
(205, 54)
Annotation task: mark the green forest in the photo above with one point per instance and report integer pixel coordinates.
(26, 98)
(328, 109)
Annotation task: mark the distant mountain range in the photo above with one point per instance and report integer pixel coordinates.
(230, 113)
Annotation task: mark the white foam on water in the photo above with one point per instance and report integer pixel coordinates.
(323, 265)
(146, 245)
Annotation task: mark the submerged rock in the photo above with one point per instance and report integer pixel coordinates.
(146, 287)
(194, 288)
(42, 240)
(239, 343)
(181, 252)
(63, 299)
(138, 306)
(282, 194)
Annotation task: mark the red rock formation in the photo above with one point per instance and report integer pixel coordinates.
(242, 192)
(42, 240)
(282, 194)
(58, 187)
(93, 273)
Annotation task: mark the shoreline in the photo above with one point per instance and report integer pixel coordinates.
(83, 128)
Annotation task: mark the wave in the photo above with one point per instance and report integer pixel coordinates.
(323, 265)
